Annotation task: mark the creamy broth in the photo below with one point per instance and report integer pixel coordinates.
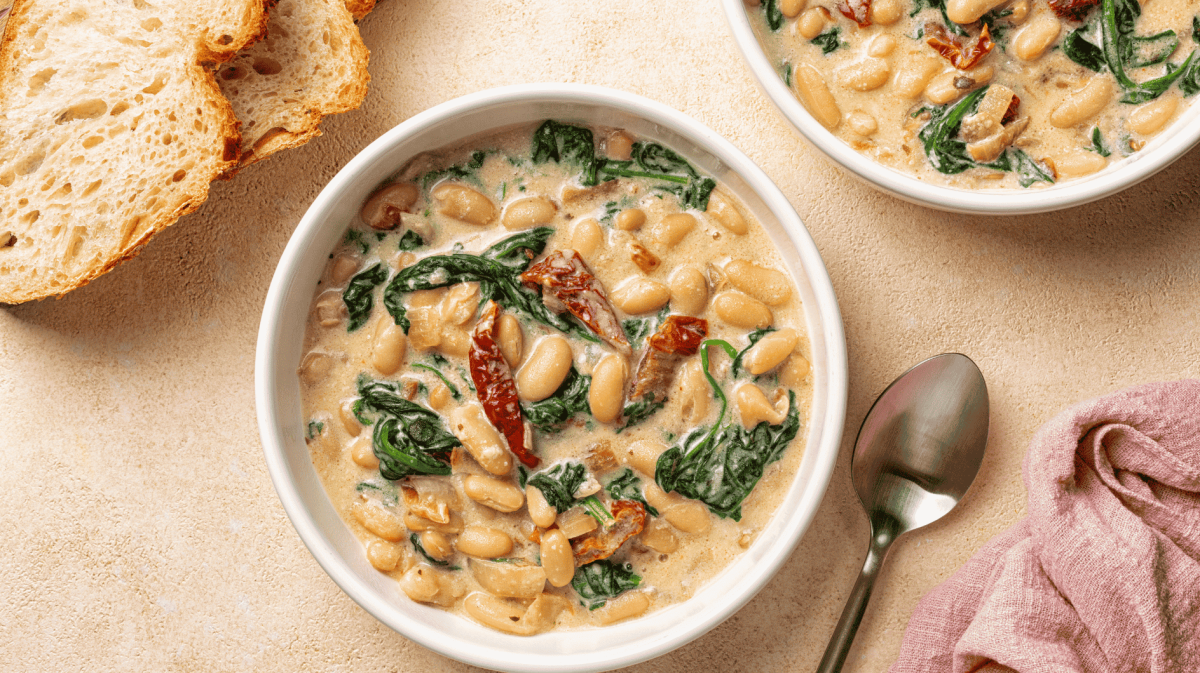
(1044, 104)
(661, 260)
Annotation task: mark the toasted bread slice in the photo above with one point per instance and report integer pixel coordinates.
(312, 63)
(111, 127)
(359, 8)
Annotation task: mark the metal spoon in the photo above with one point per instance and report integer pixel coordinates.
(917, 453)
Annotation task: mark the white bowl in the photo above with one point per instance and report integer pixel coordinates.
(1164, 148)
(281, 424)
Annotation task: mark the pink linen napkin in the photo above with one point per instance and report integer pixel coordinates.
(1103, 575)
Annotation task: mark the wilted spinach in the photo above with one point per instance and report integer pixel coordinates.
(559, 483)
(355, 237)
(359, 294)
(949, 155)
(464, 171)
(651, 160)
(416, 543)
(627, 486)
(774, 14)
(940, 5)
(315, 429)
(1098, 143)
(637, 329)
(497, 270)
(408, 438)
(721, 465)
(828, 41)
(453, 388)
(411, 240)
(636, 412)
(566, 143)
(550, 414)
(1078, 49)
(601, 580)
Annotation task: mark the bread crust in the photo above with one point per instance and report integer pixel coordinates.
(312, 64)
(91, 168)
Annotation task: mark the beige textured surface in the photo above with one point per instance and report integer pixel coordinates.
(141, 532)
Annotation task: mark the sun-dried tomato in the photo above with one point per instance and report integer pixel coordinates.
(961, 56)
(496, 388)
(567, 279)
(630, 519)
(677, 338)
(1072, 10)
(858, 11)
(1011, 113)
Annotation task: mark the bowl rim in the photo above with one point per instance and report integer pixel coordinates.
(273, 438)
(1139, 166)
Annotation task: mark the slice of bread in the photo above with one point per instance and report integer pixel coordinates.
(359, 8)
(111, 127)
(312, 63)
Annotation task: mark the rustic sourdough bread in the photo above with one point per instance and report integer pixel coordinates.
(359, 8)
(312, 63)
(111, 127)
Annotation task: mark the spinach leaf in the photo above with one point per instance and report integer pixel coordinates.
(359, 294)
(1196, 29)
(1078, 49)
(1139, 52)
(408, 438)
(949, 155)
(465, 171)
(636, 412)
(497, 270)
(1122, 48)
(627, 486)
(550, 414)
(385, 490)
(774, 14)
(637, 329)
(601, 580)
(1189, 81)
(453, 388)
(940, 6)
(1098, 143)
(566, 143)
(828, 41)
(559, 483)
(651, 160)
(720, 466)
(315, 429)
(754, 338)
(416, 543)
(411, 240)
(785, 72)
(1028, 171)
(355, 237)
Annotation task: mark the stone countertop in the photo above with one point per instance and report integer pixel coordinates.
(142, 532)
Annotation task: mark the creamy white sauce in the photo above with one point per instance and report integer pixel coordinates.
(335, 358)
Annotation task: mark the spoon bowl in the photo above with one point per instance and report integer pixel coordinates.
(917, 453)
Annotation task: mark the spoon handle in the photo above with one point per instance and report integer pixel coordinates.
(843, 635)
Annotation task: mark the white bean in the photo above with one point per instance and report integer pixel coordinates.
(689, 290)
(914, 74)
(387, 348)
(886, 12)
(494, 612)
(640, 295)
(362, 453)
(883, 44)
(695, 393)
(659, 537)
(1148, 118)
(540, 511)
(483, 542)
(378, 521)
(739, 310)
(766, 285)
(689, 517)
(382, 210)
(814, 94)
(1085, 103)
(436, 544)
(425, 585)
(587, 238)
(557, 558)
(969, 11)
(811, 23)
(511, 339)
(545, 369)
(642, 455)
(791, 8)
(721, 209)
(770, 351)
(1032, 41)
(494, 493)
(465, 204)
(480, 439)
(865, 75)
(625, 606)
(383, 555)
(861, 123)
(672, 229)
(510, 580)
(1080, 163)
(630, 219)
(753, 407)
(607, 391)
(528, 212)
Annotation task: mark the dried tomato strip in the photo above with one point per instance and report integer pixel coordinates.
(1072, 10)
(858, 11)
(961, 56)
(630, 519)
(496, 388)
(677, 338)
(569, 281)
(1011, 113)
